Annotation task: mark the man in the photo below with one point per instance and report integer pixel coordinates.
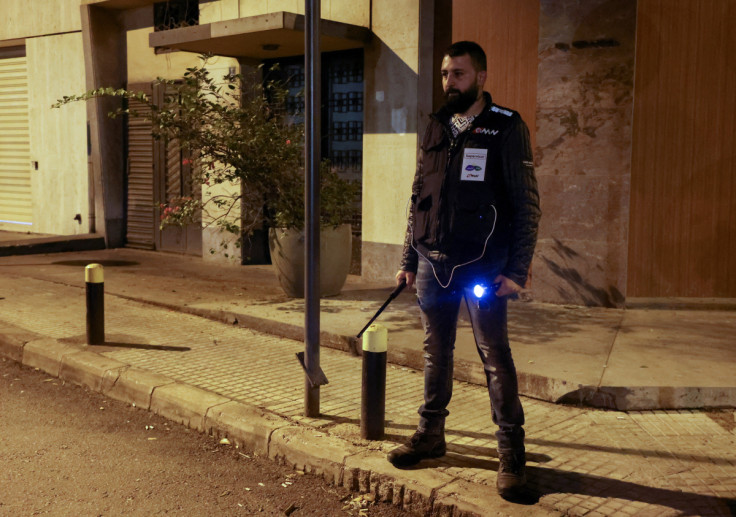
(471, 234)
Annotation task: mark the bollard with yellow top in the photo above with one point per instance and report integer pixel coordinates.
(95, 284)
(373, 393)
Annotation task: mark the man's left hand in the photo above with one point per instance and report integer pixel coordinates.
(506, 286)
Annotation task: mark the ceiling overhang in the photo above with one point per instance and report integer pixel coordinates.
(265, 36)
(119, 4)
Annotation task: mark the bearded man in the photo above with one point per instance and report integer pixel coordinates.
(471, 235)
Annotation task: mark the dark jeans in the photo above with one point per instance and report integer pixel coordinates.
(439, 307)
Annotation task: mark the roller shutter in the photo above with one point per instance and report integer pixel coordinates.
(16, 211)
(141, 224)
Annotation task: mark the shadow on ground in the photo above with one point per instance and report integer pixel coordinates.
(121, 341)
(545, 481)
(103, 263)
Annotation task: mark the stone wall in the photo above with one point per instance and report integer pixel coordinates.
(583, 150)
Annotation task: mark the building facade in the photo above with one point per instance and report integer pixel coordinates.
(630, 104)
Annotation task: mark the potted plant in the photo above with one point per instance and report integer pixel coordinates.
(239, 133)
(286, 236)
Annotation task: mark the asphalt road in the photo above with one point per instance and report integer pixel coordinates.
(65, 450)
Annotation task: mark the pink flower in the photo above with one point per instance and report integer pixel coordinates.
(186, 161)
(288, 142)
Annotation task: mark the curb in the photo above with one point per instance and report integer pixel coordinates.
(184, 404)
(56, 244)
(12, 341)
(675, 304)
(422, 492)
(644, 398)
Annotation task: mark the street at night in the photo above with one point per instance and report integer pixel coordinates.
(65, 450)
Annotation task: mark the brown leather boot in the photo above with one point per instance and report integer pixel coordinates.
(511, 473)
(419, 447)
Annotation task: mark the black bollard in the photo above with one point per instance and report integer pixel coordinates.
(95, 282)
(373, 394)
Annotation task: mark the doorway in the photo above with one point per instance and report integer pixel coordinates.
(158, 172)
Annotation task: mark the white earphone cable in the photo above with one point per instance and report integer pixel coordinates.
(485, 244)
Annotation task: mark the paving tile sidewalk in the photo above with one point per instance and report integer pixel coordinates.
(611, 358)
(230, 380)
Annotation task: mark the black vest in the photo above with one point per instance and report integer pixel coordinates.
(462, 193)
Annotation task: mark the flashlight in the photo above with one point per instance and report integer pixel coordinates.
(482, 292)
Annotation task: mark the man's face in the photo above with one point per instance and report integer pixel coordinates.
(461, 83)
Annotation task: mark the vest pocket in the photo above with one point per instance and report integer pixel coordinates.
(473, 222)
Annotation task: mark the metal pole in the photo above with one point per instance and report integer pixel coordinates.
(312, 62)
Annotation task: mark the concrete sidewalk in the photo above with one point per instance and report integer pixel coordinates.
(26, 243)
(230, 381)
(630, 359)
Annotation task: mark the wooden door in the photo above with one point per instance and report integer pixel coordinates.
(682, 230)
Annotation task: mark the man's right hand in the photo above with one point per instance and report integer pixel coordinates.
(406, 275)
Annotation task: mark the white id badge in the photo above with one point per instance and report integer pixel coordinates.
(474, 165)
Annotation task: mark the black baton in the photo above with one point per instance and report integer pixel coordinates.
(391, 297)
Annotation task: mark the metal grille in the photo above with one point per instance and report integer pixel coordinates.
(173, 14)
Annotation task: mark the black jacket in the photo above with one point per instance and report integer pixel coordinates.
(465, 188)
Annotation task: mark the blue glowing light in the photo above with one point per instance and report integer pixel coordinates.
(479, 291)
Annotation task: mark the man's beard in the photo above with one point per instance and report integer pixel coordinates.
(460, 102)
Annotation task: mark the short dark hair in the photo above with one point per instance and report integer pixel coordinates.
(471, 48)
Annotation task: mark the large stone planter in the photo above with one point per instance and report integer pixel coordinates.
(287, 256)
